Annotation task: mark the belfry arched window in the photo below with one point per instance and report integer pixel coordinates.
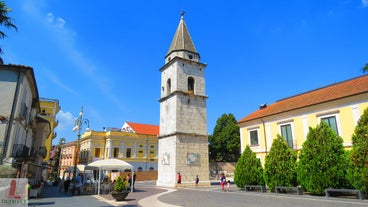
(190, 84)
(168, 86)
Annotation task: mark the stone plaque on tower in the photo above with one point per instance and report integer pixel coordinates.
(183, 138)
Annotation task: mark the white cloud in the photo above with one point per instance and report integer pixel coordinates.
(55, 80)
(57, 22)
(66, 121)
(50, 18)
(66, 39)
(365, 3)
(60, 22)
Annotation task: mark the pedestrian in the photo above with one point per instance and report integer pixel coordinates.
(179, 179)
(223, 181)
(134, 179)
(28, 188)
(129, 179)
(66, 186)
(228, 185)
(196, 180)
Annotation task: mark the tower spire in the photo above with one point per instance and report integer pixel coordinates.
(182, 40)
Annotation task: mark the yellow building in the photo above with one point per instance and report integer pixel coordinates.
(49, 109)
(134, 143)
(340, 105)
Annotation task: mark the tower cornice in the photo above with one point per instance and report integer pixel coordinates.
(183, 133)
(181, 93)
(175, 59)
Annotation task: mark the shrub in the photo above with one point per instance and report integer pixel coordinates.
(120, 185)
(280, 165)
(248, 169)
(322, 162)
(358, 171)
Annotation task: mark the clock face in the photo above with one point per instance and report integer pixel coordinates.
(190, 56)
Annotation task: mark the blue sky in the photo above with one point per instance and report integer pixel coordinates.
(106, 55)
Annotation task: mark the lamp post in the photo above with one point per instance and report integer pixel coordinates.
(77, 127)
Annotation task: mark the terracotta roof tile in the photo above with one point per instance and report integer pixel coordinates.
(144, 128)
(332, 92)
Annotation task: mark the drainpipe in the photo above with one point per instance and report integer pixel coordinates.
(264, 135)
(11, 119)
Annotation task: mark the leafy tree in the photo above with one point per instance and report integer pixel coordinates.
(225, 141)
(280, 165)
(365, 68)
(358, 172)
(322, 162)
(5, 20)
(248, 169)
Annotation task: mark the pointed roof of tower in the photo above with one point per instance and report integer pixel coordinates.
(182, 39)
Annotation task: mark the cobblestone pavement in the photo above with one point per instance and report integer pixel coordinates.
(148, 195)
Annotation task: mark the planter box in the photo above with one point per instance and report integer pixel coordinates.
(120, 196)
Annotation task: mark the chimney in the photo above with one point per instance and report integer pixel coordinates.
(262, 106)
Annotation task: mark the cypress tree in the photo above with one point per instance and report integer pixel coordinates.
(322, 162)
(358, 170)
(280, 165)
(248, 169)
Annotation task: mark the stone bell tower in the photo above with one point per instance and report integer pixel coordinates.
(183, 138)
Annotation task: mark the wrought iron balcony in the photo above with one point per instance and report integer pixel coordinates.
(20, 151)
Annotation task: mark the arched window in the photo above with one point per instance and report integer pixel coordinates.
(168, 86)
(151, 169)
(190, 84)
(140, 169)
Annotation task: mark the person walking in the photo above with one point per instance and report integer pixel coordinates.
(228, 185)
(223, 181)
(66, 185)
(196, 180)
(179, 179)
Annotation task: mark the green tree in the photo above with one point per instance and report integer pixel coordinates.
(365, 68)
(248, 169)
(280, 165)
(224, 144)
(5, 20)
(358, 170)
(322, 160)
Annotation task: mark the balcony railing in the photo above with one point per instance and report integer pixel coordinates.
(20, 151)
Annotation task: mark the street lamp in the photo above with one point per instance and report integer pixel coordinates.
(77, 127)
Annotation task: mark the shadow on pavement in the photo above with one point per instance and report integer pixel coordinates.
(41, 203)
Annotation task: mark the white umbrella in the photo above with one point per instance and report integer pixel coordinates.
(109, 164)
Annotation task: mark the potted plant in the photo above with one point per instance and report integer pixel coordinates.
(120, 192)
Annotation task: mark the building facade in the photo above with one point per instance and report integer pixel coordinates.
(49, 109)
(183, 139)
(67, 159)
(23, 130)
(340, 105)
(134, 143)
